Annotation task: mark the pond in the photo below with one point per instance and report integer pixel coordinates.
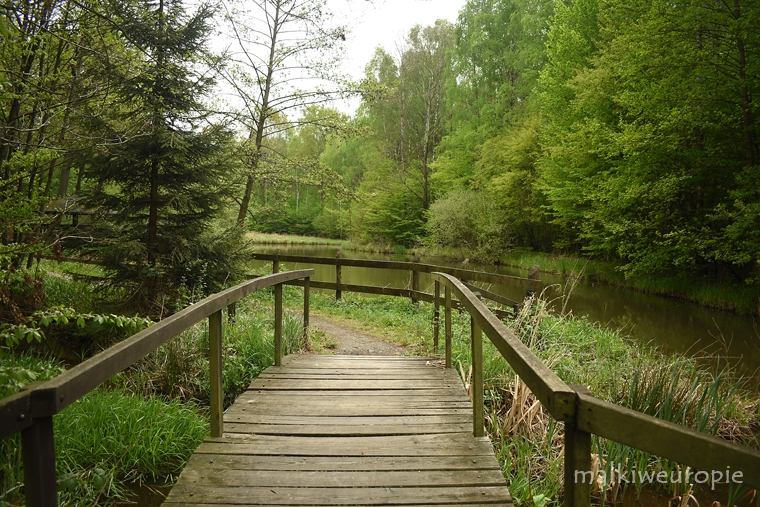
(672, 325)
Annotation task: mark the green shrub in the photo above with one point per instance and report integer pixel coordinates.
(470, 221)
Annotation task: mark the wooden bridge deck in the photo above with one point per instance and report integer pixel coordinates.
(346, 430)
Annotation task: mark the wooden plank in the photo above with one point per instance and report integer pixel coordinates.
(305, 402)
(447, 392)
(417, 445)
(337, 496)
(337, 463)
(308, 420)
(354, 385)
(253, 401)
(343, 479)
(338, 437)
(195, 504)
(356, 374)
(319, 430)
(58, 393)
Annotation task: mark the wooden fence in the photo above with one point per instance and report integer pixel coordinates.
(31, 410)
(414, 293)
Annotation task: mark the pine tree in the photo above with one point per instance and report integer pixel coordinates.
(162, 164)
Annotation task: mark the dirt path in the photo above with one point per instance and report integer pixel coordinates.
(354, 342)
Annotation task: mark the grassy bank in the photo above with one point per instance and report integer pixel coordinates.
(527, 442)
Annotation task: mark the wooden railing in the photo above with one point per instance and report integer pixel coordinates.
(31, 411)
(414, 293)
(581, 413)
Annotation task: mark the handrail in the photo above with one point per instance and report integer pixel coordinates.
(415, 267)
(30, 411)
(583, 414)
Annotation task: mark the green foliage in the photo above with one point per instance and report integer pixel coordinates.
(65, 328)
(162, 191)
(471, 221)
(648, 136)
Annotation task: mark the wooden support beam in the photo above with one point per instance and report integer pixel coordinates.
(477, 379)
(278, 324)
(306, 302)
(215, 373)
(578, 474)
(38, 451)
(447, 316)
(338, 281)
(436, 315)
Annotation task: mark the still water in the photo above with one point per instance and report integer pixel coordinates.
(672, 325)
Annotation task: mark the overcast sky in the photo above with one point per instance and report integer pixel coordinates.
(383, 23)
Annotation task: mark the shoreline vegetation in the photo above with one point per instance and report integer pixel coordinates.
(738, 298)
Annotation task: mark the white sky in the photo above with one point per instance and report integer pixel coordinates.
(370, 23)
(383, 23)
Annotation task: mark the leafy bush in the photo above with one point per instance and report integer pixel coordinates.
(470, 221)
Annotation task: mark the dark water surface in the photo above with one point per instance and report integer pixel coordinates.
(672, 325)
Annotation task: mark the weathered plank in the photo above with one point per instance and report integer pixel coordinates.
(317, 430)
(344, 479)
(414, 445)
(247, 495)
(256, 418)
(346, 430)
(354, 385)
(338, 463)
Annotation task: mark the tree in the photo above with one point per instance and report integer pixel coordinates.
(650, 135)
(408, 109)
(163, 168)
(280, 43)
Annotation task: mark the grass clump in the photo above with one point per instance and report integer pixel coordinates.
(110, 438)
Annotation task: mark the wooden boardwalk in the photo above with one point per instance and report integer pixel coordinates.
(346, 430)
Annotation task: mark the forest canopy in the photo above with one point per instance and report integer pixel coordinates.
(619, 130)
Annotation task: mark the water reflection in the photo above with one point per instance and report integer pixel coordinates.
(672, 325)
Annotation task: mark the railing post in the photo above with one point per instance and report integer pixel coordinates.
(436, 315)
(231, 311)
(477, 379)
(306, 297)
(447, 318)
(38, 451)
(215, 373)
(577, 463)
(275, 265)
(415, 284)
(338, 281)
(278, 324)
